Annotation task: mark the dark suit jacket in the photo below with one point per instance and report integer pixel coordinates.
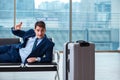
(44, 50)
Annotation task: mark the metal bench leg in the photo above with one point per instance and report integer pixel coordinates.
(57, 74)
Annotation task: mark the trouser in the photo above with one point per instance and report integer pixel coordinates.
(9, 54)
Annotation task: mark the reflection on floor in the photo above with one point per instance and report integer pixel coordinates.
(107, 67)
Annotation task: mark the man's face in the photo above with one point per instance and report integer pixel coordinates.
(39, 31)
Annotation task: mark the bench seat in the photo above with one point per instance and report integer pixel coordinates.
(15, 67)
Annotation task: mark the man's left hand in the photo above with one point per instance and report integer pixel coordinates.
(31, 59)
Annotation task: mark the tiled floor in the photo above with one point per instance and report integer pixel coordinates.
(107, 67)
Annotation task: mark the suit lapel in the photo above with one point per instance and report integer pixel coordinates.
(26, 39)
(41, 43)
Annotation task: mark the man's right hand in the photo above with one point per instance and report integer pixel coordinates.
(18, 26)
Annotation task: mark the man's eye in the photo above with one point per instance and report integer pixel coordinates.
(38, 30)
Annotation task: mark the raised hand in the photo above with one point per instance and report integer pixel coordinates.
(18, 26)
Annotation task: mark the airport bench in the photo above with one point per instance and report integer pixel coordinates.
(32, 67)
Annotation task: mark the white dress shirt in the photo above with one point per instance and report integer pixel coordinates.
(24, 52)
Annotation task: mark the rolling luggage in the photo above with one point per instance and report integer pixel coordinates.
(79, 61)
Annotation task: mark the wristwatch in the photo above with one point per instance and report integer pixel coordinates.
(38, 59)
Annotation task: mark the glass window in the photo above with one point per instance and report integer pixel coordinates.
(6, 17)
(92, 22)
(95, 21)
(55, 13)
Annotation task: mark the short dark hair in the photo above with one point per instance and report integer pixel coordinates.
(40, 24)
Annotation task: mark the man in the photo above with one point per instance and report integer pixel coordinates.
(36, 47)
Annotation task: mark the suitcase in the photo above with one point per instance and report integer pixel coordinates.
(79, 61)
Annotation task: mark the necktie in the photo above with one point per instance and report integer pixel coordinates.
(35, 44)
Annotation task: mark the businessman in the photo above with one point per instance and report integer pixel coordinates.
(36, 47)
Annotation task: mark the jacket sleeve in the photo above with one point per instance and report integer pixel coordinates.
(48, 54)
(19, 33)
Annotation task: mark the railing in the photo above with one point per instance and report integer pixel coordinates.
(85, 26)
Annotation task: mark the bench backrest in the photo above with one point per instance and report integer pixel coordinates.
(5, 41)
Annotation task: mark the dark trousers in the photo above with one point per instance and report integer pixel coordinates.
(9, 54)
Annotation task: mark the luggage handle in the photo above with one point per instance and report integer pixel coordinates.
(83, 43)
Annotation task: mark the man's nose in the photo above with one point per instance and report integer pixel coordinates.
(39, 32)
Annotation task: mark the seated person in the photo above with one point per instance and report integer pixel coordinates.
(36, 47)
